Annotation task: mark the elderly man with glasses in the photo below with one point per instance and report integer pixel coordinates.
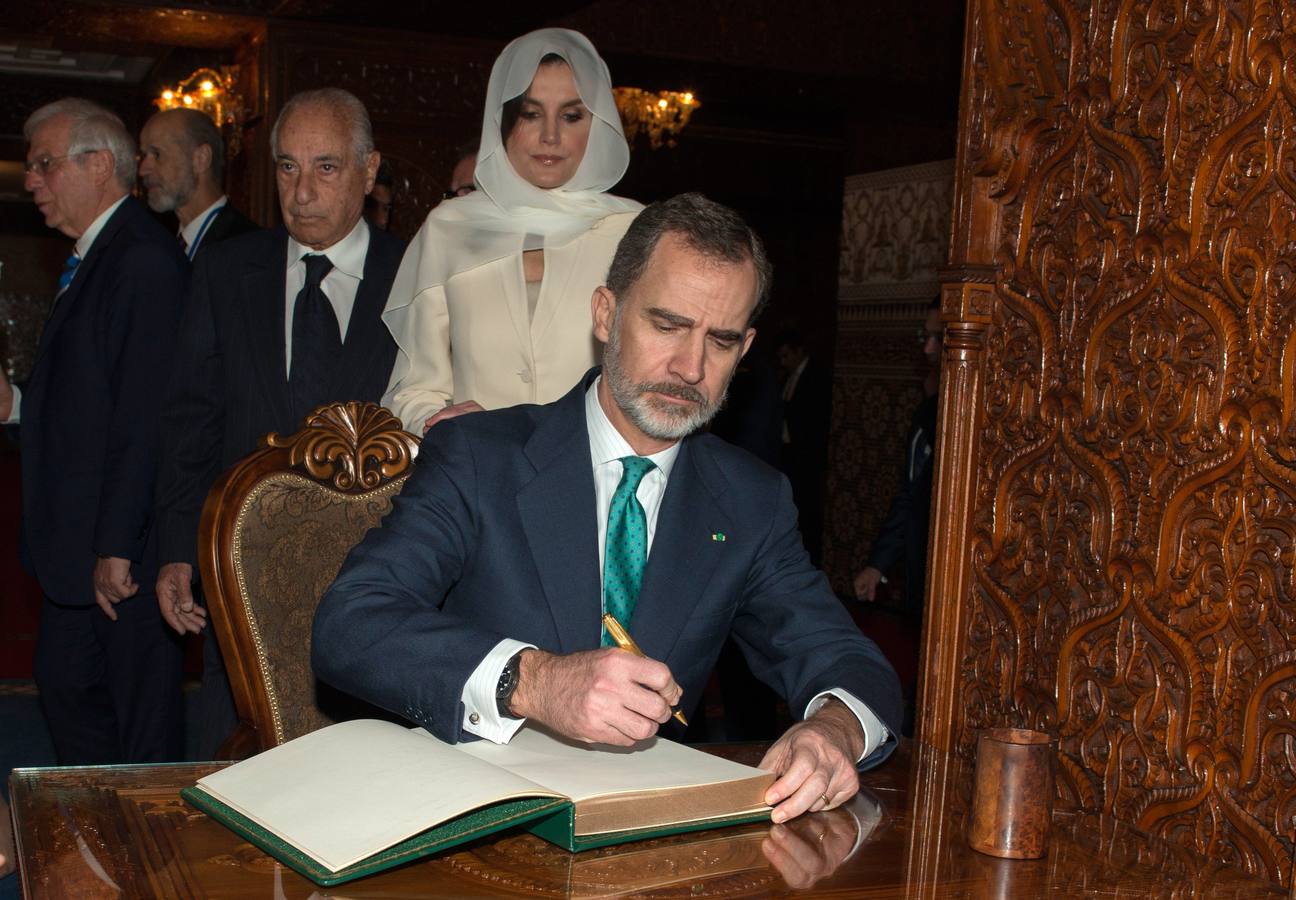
(107, 669)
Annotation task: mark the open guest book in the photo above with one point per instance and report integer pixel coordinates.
(359, 797)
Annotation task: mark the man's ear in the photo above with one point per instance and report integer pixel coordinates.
(202, 159)
(747, 341)
(102, 165)
(371, 169)
(603, 309)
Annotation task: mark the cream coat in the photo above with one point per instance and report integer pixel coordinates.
(472, 338)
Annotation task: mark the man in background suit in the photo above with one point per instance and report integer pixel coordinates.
(478, 602)
(277, 323)
(182, 167)
(107, 670)
(903, 535)
(807, 414)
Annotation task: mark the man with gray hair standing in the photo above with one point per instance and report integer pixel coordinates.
(108, 675)
(277, 323)
(182, 167)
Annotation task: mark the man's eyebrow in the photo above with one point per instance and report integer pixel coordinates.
(672, 318)
(323, 157)
(720, 334)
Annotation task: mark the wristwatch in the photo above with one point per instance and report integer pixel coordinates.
(508, 682)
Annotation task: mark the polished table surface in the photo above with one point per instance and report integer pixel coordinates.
(115, 831)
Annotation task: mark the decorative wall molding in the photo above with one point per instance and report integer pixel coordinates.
(1113, 528)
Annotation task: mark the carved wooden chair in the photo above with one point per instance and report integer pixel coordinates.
(275, 530)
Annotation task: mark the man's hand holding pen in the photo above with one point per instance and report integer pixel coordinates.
(605, 696)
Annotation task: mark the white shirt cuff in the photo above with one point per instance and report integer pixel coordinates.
(867, 815)
(875, 733)
(17, 407)
(481, 715)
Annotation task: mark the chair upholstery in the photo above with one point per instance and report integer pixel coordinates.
(275, 530)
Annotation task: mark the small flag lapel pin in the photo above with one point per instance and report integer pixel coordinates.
(718, 537)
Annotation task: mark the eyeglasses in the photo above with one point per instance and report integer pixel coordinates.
(43, 165)
(461, 191)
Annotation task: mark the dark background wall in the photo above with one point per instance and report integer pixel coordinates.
(794, 98)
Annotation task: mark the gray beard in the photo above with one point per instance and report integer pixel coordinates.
(170, 201)
(657, 420)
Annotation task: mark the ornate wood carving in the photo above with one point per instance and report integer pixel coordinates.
(352, 446)
(1115, 559)
(349, 447)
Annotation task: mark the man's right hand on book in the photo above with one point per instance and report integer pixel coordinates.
(605, 696)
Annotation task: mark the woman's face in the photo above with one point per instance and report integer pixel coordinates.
(548, 141)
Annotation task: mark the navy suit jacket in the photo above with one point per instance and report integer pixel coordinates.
(494, 536)
(230, 386)
(903, 534)
(89, 416)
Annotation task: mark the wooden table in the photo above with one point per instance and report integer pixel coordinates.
(123, 831)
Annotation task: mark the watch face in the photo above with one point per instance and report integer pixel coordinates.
(508, 678)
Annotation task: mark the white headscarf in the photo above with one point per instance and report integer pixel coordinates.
(509, 214)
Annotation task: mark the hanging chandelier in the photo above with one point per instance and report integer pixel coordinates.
(661, 115)
(212, 93)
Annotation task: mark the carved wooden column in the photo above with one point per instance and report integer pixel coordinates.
(967, 297)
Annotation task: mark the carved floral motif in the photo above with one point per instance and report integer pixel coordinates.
(355, 445)
(1133, 533)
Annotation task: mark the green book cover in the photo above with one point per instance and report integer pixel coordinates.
(362, 796)
(545, 817)
(478, 823)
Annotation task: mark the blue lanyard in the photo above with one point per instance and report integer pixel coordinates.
(193, 246)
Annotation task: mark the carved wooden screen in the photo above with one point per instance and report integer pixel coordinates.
(1114, 538)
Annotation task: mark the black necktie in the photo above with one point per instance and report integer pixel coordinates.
(316, 341)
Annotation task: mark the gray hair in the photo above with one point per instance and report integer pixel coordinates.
(92, 128)
(198, 129)
(710, 228)
(345, 104)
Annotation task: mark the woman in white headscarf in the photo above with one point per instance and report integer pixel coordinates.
(491, 306)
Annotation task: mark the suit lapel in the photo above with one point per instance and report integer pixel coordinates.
(263, 306)
(560, 264)
(65, 302)
(512, 276)
(557, 512)
(684, 553)
(364, 337)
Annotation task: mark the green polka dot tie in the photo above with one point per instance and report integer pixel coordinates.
(625, 549)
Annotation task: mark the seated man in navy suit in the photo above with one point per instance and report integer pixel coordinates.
(479, 601)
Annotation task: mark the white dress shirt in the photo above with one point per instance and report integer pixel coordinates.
(607, 447)
(81, 248)
(339, 285)
(193, 233)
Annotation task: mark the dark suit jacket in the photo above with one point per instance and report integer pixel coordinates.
(229, 222)
(495, 536)
(230, 386)
(903, 536)
(808, 414)
(89, 416)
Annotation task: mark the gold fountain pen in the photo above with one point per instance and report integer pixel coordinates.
(625, 642)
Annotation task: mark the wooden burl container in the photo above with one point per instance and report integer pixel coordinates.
(1012, 803)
